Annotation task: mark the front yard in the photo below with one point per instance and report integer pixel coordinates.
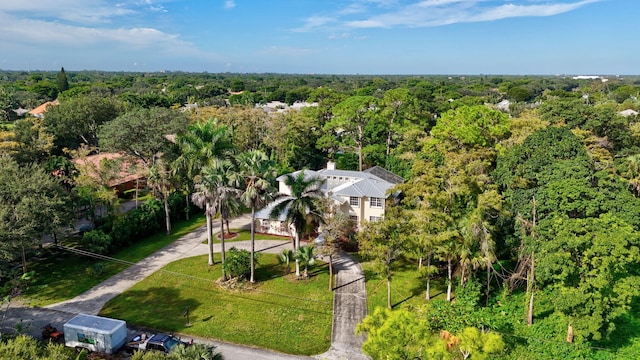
(278, 312)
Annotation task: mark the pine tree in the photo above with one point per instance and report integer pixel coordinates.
(63, 83)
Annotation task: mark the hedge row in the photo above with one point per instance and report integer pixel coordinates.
(117, 232)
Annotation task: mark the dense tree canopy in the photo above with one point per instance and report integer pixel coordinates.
(142, 133)
(77, 120)
(32, 203)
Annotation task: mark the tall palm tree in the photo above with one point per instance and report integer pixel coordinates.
(162, 181)
(258, 174)
(204, 197)
(218, 189)
(301, 207)
(201, 144)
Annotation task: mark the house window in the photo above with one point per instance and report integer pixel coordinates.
(375, 218)
(353, 217)
(354, 201)
(375, 202)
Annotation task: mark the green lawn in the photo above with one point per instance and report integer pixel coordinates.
(62, 276)
(407, 286)
(278, 312)
(245, 235)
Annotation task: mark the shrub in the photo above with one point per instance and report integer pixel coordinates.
(26, 347)
(96, 241)
(237, 263)
(140, 222)
(148, 218)
(95, 270)
(177, 206)
(122, 231)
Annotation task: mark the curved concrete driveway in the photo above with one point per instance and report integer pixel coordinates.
(92, 301)
(349, 297)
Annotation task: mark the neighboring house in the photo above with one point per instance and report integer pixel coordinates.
(125, 179)
(503, 105)
(189, 107)
(362, 195)
(628, 112)
(40, 110)
(281, 107)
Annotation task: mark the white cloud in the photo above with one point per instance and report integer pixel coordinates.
(95, 33)
(74, 11)
(429, 13)
(229, 4)
(45, 32)
(315, 22)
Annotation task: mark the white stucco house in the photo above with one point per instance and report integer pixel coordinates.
(361, 195)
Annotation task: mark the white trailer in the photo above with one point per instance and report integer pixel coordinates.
(95, 333)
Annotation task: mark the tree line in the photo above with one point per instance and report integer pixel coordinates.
(526, 215)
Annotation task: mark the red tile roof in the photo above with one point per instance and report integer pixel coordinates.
(42, 108)
(125, 174)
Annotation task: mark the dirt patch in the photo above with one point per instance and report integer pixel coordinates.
(228, 236)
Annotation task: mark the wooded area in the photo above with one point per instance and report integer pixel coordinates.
(520, 196)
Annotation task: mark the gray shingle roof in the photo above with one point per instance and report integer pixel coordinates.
(308, 174)
(372, 187)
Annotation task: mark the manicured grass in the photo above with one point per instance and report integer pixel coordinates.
(245, 235)
(407, 286)
(278, 312)
(62, 275)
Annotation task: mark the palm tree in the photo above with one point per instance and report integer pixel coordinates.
(284, 259)
(196, 352)
(633, 162)
(163, 183)
(469, 257)
(204, 197)
(201, 144)
(217, 187)
(258, 174)
(305, 255)
(301, 207)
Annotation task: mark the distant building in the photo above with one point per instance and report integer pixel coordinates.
(125, 179)
(590, 77)
(281, 107)
(189, 107)
(503, 105)
(20, 111)
(40, 110)
(628, 112)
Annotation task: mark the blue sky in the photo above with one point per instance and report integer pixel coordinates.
(521, 37)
